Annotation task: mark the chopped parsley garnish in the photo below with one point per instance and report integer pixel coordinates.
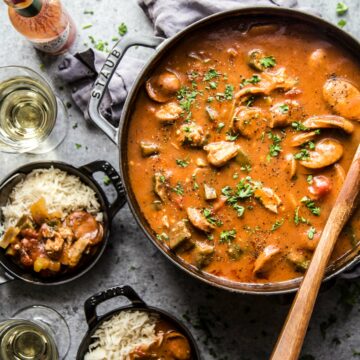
(106, 180)
(229, 92)
(277, 224)
(78, 146)
(246, 168)
(230, 136)
(227, 236)
(210, 218)
(75, 126)
(268, 62)
(178, 189)
(275, 147)
(310, 204)
(220, 126)
(342, 23)
(186, 98)
(162, 237)
(299, 219)
(213, 84)
(341, 8)
(239, 209)
(162, 179)
(182, 163)
(311, 233)
(284, 108)
(88, 12)
(303, 154)
(298, 126)
(195, 184)
(309, 179)
(310, 145)
(122, 29)
(100, 44)
(87, 26)
(253, 80)
(211, 74)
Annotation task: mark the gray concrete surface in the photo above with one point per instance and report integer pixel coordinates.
(226, 326)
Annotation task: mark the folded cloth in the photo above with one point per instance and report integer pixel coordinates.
(169, 17)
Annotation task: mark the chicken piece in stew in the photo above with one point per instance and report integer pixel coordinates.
(49, 243)
(265, 128)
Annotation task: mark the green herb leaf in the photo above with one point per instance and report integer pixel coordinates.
(211, 218)
(122, 29)
(231, 137)
(277, 224)
(106, 180)
(284, 108)
(78, 146)
(88, 12)
(87, 26)
(227, 236)
(211, 74)
(310, 204)
(299, 219)
(309, 179)
(342, 23)
(220, 126)
(311, 233)
(253, 80)
(229, 92)
(182, 163)
(178, 189)
(303, 154)
(268, 61)
(298, 126)
(341, 8)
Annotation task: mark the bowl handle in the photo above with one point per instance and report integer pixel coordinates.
(92, 303)
(105, 75)
(114, 178)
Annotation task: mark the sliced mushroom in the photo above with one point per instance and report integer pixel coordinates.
(161, 88)
(178, 235)
(284, 113)
(245, 120)
(268, 198)
(317, 58)
(328, 122)
(266, 260)
(168, 113)
(327, 151)
(302, 138)
(191, 134)
(210, 192)
(343, 97)
(203, 253)
(219, 153)
(198, 219)
(291, 165)
(161, 185)
(149, 148)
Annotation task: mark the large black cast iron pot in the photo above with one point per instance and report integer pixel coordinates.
(260, 15)
(109, 210)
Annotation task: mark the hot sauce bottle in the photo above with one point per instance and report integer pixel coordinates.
(45, 23)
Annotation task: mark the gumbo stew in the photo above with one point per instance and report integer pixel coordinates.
(239, 143)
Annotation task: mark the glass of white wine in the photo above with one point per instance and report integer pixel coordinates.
(32, 118)
(34, 333)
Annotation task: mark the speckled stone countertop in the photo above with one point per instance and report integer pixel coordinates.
(227, 326)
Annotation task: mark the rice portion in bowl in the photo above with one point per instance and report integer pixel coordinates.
(62, 192)
(118, 337)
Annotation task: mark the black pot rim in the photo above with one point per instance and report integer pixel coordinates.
(338, 35)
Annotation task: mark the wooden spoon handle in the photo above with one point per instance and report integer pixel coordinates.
(290, 341)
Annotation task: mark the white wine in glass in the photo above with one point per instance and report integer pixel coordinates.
(32, 119)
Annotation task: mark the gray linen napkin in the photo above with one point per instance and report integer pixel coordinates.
(169, 17)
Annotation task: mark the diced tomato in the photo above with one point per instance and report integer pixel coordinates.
(320, 186)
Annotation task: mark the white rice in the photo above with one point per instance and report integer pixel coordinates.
(61, 191)
(118, 337)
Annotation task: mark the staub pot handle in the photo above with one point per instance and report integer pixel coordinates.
(92, 303)
(105, 75)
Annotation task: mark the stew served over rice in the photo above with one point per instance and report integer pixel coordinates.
(239, 144)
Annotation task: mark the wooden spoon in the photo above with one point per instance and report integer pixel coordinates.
(290, 341)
